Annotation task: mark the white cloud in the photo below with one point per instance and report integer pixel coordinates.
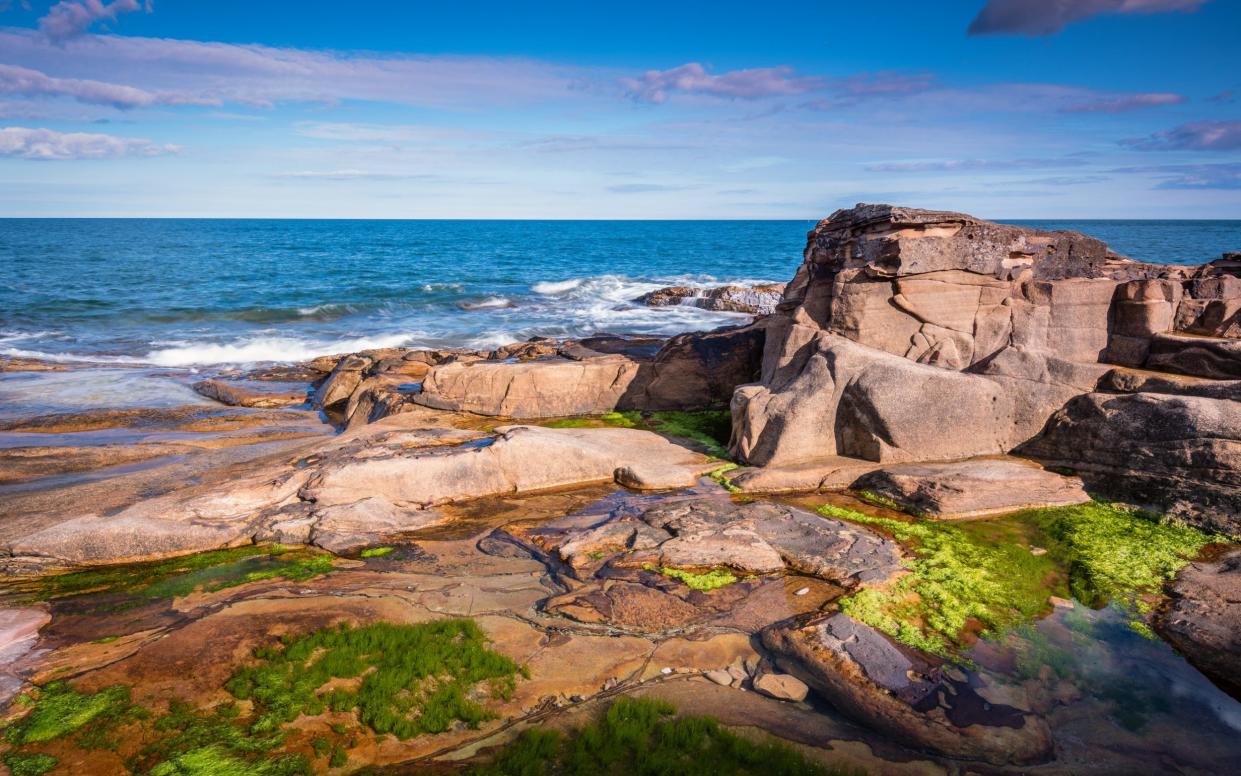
(49, 145)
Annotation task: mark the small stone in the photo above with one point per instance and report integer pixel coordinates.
(1037, 550)
(665, 671)
(782, 687)
(720, 677)
(1062, 603)
(801, 591)
(737, 672)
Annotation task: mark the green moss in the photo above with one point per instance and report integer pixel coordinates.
(217, 761)
(174, 577)
(883, 501)
(61, 710)
(1114, 552)
(29, 764)
(375, 552)
(643, 737)
(106, 640)
(338, 758)
(709, 428)
(981, 575)
(724, 482)
(711, 580)
(411, 679)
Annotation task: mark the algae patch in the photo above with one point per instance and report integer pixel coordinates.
(982, 575)
(135, 584)
(409, 679)
(643, 736)
(709, 428)
(706, 581)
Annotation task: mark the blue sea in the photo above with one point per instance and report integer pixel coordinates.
(190, 293)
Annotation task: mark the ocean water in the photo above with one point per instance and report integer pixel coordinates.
(188, 293)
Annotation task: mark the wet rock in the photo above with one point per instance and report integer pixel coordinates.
(831, 473)
(19, 633)
(644, 477)
(972, 488)
(1203, 619)
(342, 382)
(756, 300)
(236, 394)
(902, 693)
(782, 687)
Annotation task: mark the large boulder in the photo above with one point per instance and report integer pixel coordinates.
(1178, 453)
(518, 459)
(841, 398)
(864, 674)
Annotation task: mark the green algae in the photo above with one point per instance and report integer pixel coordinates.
(981, 576)
(707, 581)
(375, 552)
(411, 679)
(59, 711)
(709, 428)
(643, 737)
(139, 583)
(29, 764)
(724, 482)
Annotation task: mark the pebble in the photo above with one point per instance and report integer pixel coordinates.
(803, 591)
(1037, 550)
(665, 671)
(720, 677)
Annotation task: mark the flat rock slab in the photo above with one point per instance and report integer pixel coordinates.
(972, 488)
(835, 472)
(1203, 620)
(902, 693)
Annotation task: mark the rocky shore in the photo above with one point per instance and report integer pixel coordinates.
(867, 508)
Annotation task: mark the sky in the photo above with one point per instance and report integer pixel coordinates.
(1017, 109)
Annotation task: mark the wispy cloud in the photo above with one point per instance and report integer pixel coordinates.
(354, 175)
(1125, 103)
(1195, 136)
(264, 76)
(650, 188)
(49, 145)
(69, 18)
(1192, 176)
(1046, 17)
(884, 84)
(32, 83)
(692, 78)
(975, 165)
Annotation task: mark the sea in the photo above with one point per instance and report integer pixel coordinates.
(201, 293)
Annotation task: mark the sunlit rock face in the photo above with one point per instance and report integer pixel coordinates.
(914, 335)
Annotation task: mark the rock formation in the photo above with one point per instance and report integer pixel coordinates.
(914, 335)
(756, 300)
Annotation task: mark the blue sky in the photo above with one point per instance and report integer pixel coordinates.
(1001, 108)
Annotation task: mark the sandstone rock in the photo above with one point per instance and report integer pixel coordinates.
(236, 394)
(762, 537)
(695, 371)
(644, 477)
(865, 675)
(342, 381)
(972, 488)
(720, 677)
(1203, 619)
(848, 399)
(825, 474)
(1134, 381)
(782, 687)
(519, 459)
(344, 527)
(756, 300)
(1213, 357)
(1179, 454)
(534, 389)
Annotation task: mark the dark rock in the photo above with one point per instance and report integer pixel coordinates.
(1203, 619)
(756, 300)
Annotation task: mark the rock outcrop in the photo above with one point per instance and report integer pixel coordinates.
(971, 488)
(1203, 619)
(755, 300)
(914, 335)
(872, 679)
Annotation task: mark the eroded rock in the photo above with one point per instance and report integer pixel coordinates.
(1203, 619)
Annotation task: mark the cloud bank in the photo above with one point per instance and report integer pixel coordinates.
(692, 78)
(70, 18)
(1047, 17)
